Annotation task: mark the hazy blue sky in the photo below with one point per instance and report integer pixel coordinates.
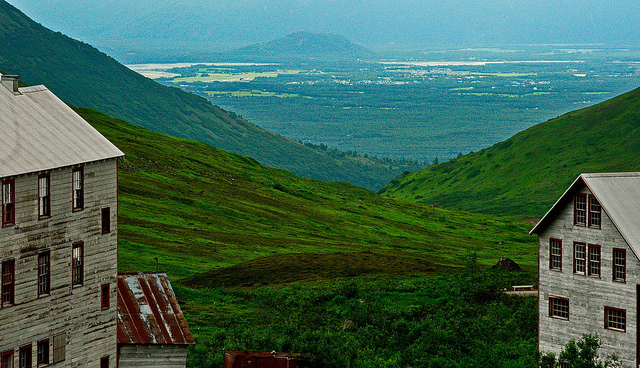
(413, 22)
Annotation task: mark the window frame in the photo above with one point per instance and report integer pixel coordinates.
(105, 218)
(44, 200)
(44, 278)
(590, 261)
(576, 211)
(25, 357)
(104, 362)
(558, 257)
(583, 260)
(607, 313)
(59, 348)
(105, 296)
(8, 216)
(616, 265)
(77, 265)
(552, 310)
(41, 357)
(590, 203)
(8, 353)
(77, 194)
(9, 264)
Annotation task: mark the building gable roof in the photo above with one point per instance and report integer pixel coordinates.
(618, 195)
(40, 132)
(148, 311)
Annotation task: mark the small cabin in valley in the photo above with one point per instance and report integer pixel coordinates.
(589, 265)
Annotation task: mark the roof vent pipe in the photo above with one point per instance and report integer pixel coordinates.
(10, 82)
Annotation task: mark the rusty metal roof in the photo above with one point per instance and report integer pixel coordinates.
(40, 132)
(262, 359)
(148, 311)
(619, 197)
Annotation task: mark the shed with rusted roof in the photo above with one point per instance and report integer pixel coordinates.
(152, 331)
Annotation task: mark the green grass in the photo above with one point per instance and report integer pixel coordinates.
(262, 259)
(528, 172)
(199, 208)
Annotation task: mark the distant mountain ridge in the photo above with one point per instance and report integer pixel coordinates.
(309, 44)
(526, 173)
(81, 75)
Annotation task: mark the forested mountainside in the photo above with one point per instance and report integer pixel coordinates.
(528, 172)
(85, 77)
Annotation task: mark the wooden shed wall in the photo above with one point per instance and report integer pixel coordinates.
(74, 311)
(152, 355)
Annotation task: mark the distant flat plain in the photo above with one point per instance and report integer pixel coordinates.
(419, 105)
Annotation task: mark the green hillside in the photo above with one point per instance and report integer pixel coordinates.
(85, 77)
(272, 261)
(199, 208)
(528, 172)
(306, 44)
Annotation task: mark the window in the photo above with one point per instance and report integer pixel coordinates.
(580, 212)
(77, 264)
(595, 216)
(78, 188)
(555, 254)
(8, 203)
(7, 360)
(619, 265)
(59, 343)
(104, 362)
(615, 319)
(43, 352)
(44, 273)
(24, 359)
(579, 253)
(44, 196)
(8, 282)
(594, 260)
(105, 299)
(558, 307)
(106, 220)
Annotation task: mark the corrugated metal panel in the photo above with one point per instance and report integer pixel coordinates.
(40, 132)
(261, 359)
(148, 311)
(619, 197)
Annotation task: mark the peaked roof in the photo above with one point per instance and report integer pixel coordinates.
(619, 197)
(148, 311)
(40, 132)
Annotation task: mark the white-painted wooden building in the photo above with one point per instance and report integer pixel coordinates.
(589, 267)
(58, 239)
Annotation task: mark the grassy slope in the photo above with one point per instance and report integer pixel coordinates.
(83, 76)
(199, 208)
(348, 272)
(528, 172)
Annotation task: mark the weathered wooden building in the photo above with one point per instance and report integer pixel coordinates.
(589, 270)
(58, 239)
(152, 331)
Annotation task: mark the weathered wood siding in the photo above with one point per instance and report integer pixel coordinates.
(152, 355)
(587, 295)
(74, 311)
